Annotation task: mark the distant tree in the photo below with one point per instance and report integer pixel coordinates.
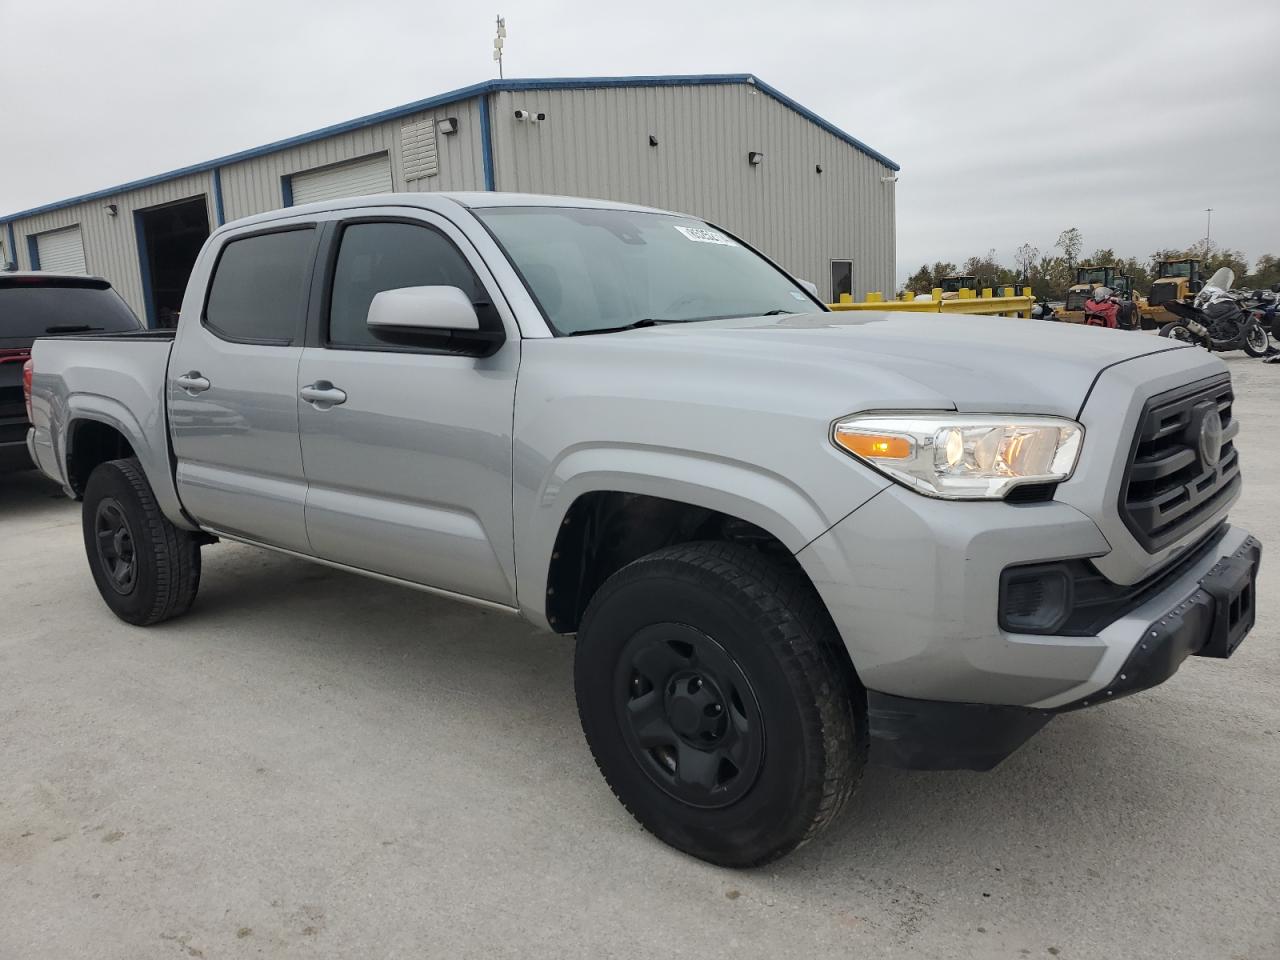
(1070, 242)
(928, 277)
(986, 269)
(1102, 256)
(1050, 277)
(1133, 267)
(1025, 259)
(1213, 257)
(1265, 272)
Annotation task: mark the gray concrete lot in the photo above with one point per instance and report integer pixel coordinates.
(312, 764)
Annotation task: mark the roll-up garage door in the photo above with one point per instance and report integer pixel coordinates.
(61, 251)
(354, 179)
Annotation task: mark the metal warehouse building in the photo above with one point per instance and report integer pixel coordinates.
(729, 148)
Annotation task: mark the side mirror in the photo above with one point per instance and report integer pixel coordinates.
(1275, 288)
(811, 287)
(1195, 286)
(426, 309)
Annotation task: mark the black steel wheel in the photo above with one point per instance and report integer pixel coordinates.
(113, 538)
(689, 715)
(146, 569)
(719, 702)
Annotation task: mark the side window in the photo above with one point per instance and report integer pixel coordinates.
(373, 257)
(259, 288)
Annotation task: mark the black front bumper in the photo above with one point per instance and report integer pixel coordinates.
(943, 735)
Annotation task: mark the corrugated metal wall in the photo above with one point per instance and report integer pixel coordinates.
(595, 143)
(253, 186)
(110, 243)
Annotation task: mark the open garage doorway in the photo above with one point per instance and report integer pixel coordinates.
(169, 238)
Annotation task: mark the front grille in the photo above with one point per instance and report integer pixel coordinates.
(1162, 293)
(1170, 487)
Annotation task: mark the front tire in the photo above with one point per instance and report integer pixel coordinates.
(718, 702)
(1256, 341)
(146, 569)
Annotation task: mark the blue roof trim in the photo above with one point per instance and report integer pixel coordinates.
(455, 96)
(826, 125)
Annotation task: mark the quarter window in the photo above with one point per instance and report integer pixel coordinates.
(258, 293)
(374, 257)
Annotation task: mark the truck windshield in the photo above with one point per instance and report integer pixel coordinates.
(596, 270)
(33, 307)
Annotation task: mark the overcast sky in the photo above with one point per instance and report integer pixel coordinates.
(1126, 119)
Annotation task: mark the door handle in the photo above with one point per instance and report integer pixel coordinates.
(192, 382)
(322, 394)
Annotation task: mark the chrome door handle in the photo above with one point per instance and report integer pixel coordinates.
(322, 394)
(192, 382)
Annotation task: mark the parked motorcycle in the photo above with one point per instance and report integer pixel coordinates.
(1216, 320)
(1102, 309)
(1043, 310)
(1265, 306)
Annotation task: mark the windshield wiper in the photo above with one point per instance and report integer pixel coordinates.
(646, 322)
(777, 313)
(70, 328)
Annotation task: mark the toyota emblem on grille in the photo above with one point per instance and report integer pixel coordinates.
(1210, 435)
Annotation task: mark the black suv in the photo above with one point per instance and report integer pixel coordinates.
(45, 305)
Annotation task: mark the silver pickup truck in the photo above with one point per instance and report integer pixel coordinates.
(788, 541)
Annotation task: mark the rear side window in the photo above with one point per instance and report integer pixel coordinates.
(38, 309)
(373, 257)
(258, 293)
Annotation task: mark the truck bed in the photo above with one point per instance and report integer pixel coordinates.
(115, 378)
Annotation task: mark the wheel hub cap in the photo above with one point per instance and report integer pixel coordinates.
(114, 540)
(695, 709)
(688, 715)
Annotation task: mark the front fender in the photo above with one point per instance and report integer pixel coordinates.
(771, 501)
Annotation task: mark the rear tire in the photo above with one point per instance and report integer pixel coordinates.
(1177, 331)
(719, 703)
(146, 569)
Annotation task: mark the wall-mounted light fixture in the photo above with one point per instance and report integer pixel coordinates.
(890, 179)
(448, 126)
(817, 168)
(755, 158)
(111, 209)
(653, 141)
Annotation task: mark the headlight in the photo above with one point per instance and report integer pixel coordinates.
(961, 457)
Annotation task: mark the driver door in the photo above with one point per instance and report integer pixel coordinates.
(409, 473)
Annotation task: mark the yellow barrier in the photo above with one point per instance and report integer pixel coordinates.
(966, 301)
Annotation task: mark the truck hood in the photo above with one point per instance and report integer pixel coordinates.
(883, 360)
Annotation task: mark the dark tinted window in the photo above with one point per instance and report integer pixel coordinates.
(386, 256)
(37, 309)
(259, 287)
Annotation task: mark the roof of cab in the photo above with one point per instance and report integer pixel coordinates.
(472, 200)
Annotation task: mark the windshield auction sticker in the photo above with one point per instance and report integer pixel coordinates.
(705, 235)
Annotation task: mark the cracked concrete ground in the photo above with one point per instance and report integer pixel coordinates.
(312, 764)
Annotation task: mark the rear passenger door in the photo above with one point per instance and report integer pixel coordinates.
(409, 474)
(233, 387)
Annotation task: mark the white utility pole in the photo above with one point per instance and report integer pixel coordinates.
(497, 43)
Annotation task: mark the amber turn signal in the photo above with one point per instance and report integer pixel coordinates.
(874, 446)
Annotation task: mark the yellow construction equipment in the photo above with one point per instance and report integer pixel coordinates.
(951, 286)
(1175, 280)
(1088, 279)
